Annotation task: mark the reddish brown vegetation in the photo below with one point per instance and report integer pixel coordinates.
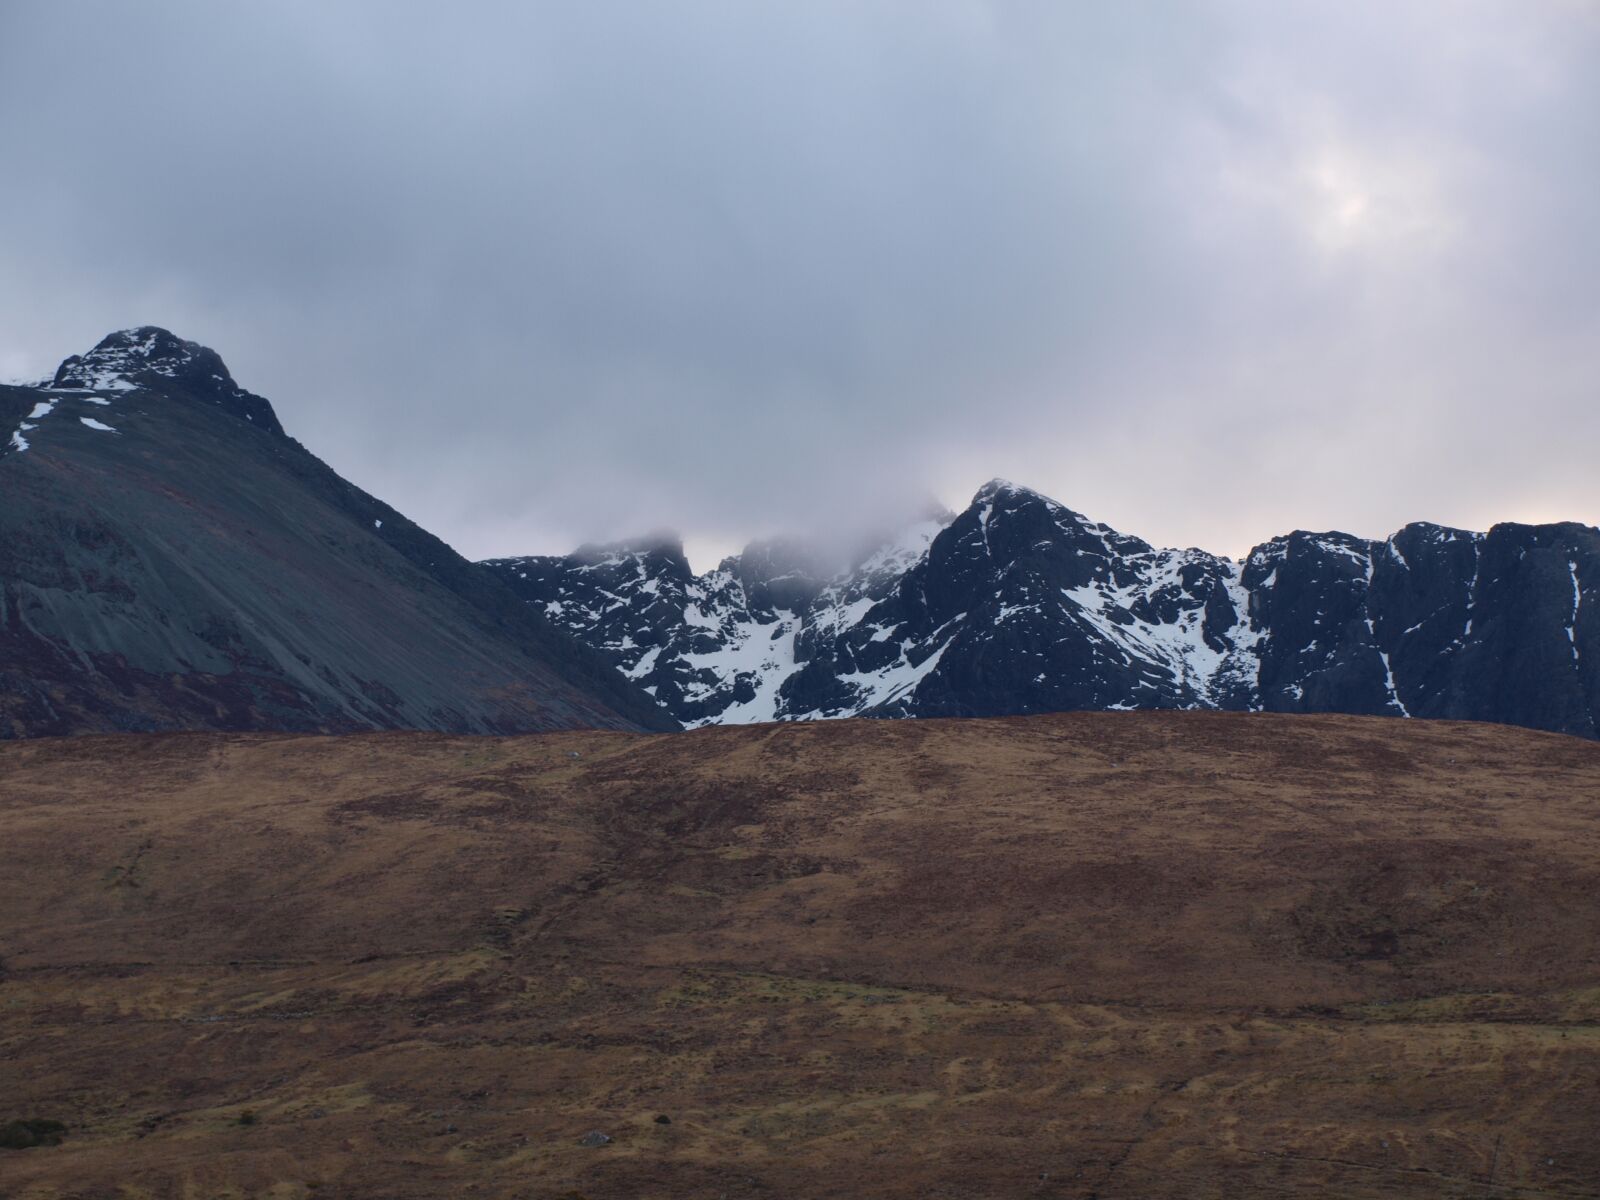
(1113, 955)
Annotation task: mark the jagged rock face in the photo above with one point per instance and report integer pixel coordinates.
(637, 601)
(731, 644)
(170, 559)
(1032, 608)
(1015, 605)
(1432, 622)
(1020, 605)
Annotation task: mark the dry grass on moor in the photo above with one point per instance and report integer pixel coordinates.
(1092, 955)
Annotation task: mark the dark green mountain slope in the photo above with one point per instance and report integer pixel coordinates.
(170, 559)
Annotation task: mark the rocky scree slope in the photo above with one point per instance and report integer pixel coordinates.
(171, 559)
(1020, 605)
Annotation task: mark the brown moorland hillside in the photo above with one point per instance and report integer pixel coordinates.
(1086, 955)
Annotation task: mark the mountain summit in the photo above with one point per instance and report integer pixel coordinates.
(171, 559)
(1020, 605)
(158, 360)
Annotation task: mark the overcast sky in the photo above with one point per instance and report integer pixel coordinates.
(544, 273)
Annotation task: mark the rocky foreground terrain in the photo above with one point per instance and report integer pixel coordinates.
(1088, 955)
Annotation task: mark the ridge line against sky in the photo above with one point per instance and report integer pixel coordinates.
(542, 274)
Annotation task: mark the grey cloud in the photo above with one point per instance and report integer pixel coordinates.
(545, 273)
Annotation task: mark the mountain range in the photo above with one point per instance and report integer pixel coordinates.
(1018, 604)
(170, 558)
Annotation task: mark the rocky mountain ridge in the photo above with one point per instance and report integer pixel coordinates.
(1018, 605)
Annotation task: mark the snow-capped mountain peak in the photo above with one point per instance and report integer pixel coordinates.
(1019, 604)
(154, 358)
(737, 643)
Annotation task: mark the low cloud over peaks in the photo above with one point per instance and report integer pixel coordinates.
(543, 274)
